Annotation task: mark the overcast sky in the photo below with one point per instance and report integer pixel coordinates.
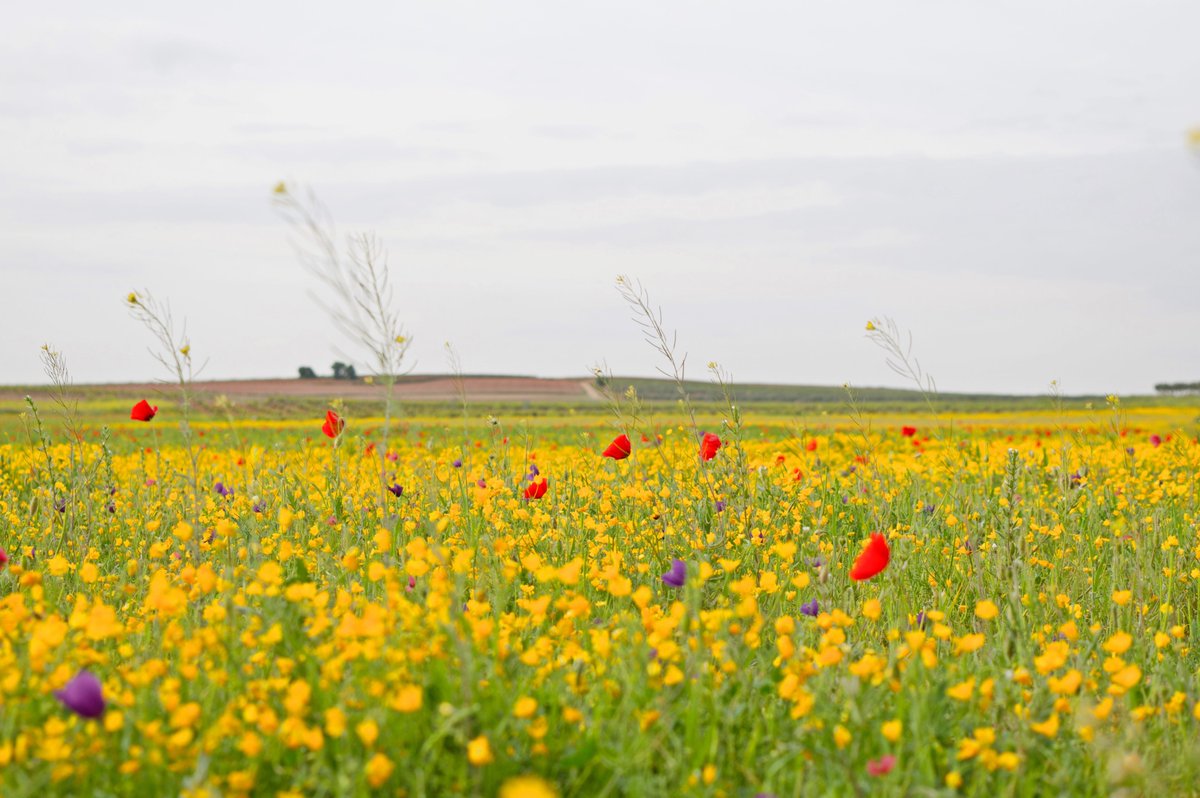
(1009, 181)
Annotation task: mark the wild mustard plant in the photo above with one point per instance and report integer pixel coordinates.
(173, 350)
(356, 292)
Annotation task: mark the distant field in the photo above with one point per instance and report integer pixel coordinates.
(533, 397)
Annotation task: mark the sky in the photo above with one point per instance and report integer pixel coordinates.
(1010, 182)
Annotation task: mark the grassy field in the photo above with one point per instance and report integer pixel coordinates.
(485, 605)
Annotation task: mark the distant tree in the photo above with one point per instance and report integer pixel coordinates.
(1177, 387)
(306, 373)
(339, 370)
(350, 373)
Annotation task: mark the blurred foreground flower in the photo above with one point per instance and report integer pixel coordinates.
(677, 575)
(620, 448)
(142, 411)
(527, 787)
(536, 490)
(334, 424)
(873, 559)
(83, 695)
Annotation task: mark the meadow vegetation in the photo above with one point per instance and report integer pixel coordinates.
(678, 595)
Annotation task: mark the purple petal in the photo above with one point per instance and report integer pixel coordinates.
(83, 695)
(677, 575)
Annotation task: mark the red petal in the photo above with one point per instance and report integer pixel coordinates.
(873, 559)
(619, 449)
(142, 411)
(334, 424)
(709, 445)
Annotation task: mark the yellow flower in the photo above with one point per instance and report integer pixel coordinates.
(1048, 727)
(527, 787)
(841, 736)
(968, 643)
(335, 722)
(1008, 760)
(1119, 643)
(525, 707)
(986, 610)
(1125, 678)
(1067, 685)
(368, 732)
(963, 690)
(1122, 597)
(479, 751)
(379, 769)
(870, 326)
(408, 698)
(871, 609)
(891, 730)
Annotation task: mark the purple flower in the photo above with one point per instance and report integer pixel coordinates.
(457, 463)
(817, 562)
(719, 506)
(259, 505)
(811, 609)
(396, 490)
(928, 509)
(60, 504)
(677, 575)
(533, 471)
(920, 619)
(83, 695)
(222, 490)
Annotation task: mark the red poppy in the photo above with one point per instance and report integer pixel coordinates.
(881, 766)
(334, 424)
(142, 411)
(908, 432)
(620, 448)
(536, 490)
(812, 445)
(709, 445)
(873, 559)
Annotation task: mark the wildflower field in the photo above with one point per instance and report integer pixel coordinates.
(899, 605)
